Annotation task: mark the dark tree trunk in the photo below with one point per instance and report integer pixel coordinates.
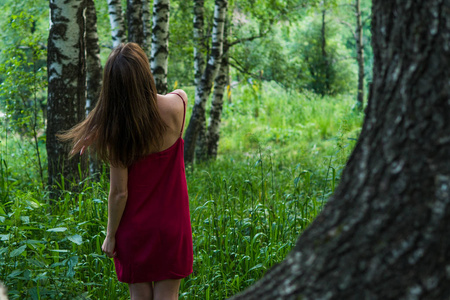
(325, 58)
(66, 86)
(160, 44)
(384, 233)
(147, 27)
(135, 22)
(199, 40)
(359, 54)
(203, 89)
(93, 63)
(94, 71)
(199, 60)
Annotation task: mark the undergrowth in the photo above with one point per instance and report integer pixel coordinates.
(280, 158)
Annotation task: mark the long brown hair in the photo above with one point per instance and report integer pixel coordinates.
(125, 125)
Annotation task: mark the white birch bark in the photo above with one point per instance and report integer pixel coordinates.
(66, 69)
(160, 44)
(215, 114)
(203, 89)
(116, 21)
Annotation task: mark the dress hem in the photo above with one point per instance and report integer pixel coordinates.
(159, 278)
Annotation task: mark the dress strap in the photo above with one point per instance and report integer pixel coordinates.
(184, 115)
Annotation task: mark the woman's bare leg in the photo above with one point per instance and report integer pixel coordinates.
(166, 289)
(141, 291)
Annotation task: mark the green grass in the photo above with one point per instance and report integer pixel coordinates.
(280, 159)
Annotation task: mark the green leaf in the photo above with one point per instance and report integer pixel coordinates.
(14, 273)
(57, 229)
(77, 239)
(18, 251)
(36, 262)
(258, 266)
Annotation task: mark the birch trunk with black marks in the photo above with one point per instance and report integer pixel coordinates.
(94, 71)
(359, 54)
(199, 40)
(160, 44)
(135, 22)
(384, 233)
(203, 89)
(147, 27)
(66, 102)
(116, 21)
(213, 132)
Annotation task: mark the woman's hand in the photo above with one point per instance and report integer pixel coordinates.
(109, 245)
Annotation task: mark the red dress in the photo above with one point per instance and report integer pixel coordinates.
(154, 237)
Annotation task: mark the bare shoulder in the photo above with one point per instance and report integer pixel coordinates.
(172, 108)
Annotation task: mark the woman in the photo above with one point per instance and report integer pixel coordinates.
(139, 134)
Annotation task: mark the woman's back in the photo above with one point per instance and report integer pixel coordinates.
(172, 111)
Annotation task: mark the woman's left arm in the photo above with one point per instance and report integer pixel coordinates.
(118, 195)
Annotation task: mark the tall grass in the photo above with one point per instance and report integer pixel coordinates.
(274, 173)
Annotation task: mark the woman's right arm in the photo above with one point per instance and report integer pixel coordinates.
(117, 199)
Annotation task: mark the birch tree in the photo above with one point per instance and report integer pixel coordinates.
(213, 134)
(116, 20)
(207, 134)
(66, 69)
(147, 27)
(203, 89)
(384, 233)
(135, 21)
(357, 31)
(160, 44)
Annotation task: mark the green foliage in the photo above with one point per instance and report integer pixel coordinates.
(291, 123)
(181, 63)
(325, 67)
(23, 69)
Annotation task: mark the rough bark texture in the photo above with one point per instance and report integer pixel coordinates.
(135, 22)
(94, 71)
(93, 63)
(359, 54)
(384, 233)
(213, 132)
(199, 40)
(116, 21)
(160, 44)
(146, 22)
(203, 89)
(66, 84)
